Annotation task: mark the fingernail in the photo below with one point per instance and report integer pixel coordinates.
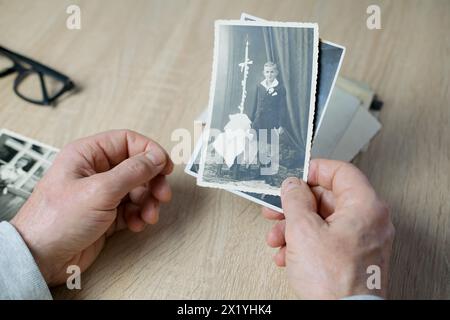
(290, 183)
(156, 156)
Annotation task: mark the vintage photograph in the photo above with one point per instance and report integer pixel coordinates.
(270, 201)
(331, 56)
(261, 106)
(23, 162)
(330, 60)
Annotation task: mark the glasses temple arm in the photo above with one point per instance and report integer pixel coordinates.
(8, 71)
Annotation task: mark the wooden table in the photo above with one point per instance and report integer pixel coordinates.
(146, 66)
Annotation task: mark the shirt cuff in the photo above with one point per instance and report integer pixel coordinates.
(20, 277)
(363, 297)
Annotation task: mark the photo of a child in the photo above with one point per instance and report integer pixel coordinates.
(270, 103)
(261, 107)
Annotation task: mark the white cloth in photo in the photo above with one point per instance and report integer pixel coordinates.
(10, 174)
(237, 140)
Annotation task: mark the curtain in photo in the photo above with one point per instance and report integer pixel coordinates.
(292, 50)
(228, 90)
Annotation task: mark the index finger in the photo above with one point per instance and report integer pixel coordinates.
(341, 178)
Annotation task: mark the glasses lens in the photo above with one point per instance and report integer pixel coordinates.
(53, 86)
(5, 63)
(30, 86)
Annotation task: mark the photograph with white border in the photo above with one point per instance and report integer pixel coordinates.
(269, 201)
(261, 106)
(331, 56)
(23, 162)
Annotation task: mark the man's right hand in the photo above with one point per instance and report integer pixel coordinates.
(331, 232)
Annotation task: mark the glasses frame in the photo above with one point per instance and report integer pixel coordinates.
(41, 70)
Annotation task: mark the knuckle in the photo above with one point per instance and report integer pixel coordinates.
(67, 150)
(349, 167)
(383, 209)
(128, 132)
(130, 135)
(139, 168)
(377, 210)
(383, 219)
(391, 231)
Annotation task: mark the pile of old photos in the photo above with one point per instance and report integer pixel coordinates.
(276, 101)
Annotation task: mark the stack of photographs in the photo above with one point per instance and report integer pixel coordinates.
(271, 84)
(264, 108)
(262, 104)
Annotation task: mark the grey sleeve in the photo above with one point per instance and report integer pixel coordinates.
(363, 297)
(20, 277)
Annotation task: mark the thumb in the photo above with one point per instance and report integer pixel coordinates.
(299, 203)
(133, 172)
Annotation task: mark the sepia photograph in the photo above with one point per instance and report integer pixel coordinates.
(23, 162)
(261, 108)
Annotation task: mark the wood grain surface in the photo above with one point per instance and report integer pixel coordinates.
(146, 66)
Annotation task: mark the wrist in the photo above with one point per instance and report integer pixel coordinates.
(34, 248)
(358, 283)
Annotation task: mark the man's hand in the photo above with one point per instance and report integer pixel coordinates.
(331, 232)
(96, 186)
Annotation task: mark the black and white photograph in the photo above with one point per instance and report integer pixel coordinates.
(331, 56)
(23, 162)
(261, 108)
(270, 201)
(330, 59)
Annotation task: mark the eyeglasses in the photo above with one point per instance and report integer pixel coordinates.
(35, 82)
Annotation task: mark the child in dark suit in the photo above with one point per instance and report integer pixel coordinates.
(270, 113)
(270, 109)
